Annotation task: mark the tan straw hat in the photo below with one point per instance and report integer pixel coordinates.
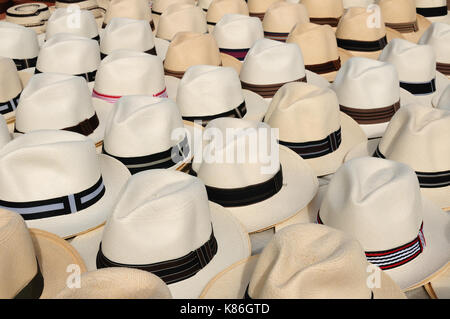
(438, 36)
(434, 10)
(325, 11)
(257, 8)
(439, 287)
(131, 9)
(159, 6)
(33, 263)
(357, 3)
(31, 15)
(218, 8)
(305, 261)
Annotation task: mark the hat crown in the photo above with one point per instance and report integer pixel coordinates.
(398, 11)
(18, 263)
(260, 6)
(10, 84)
(438, 36)
(168, 220)
(414, 62)
(143, 72)
(237, 31)
(209, 90)
(310, 261)
(67, 20)
(444, 100)
(359, 202)
(69, 54)
(133, 9)
(324, 8)
(272, 62)
(418, 136)
(430, 3)
(282, 16)
(354, 26)
(161, 5)
(18, 42)
(142, 125)
(303, 112)
(218, 8)
(53, 101)
(129, 34)
(354, 84)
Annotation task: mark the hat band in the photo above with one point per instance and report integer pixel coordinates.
(433, 11)
(23, 64)
(40, 8)
(152, 51)
(316, 149)
(277, 36)
(327, 67)
(371, 116)
(114, 98)
(176, 74)
(235, 53)
(89, 76)
(63, 205)
(407, 27)
(257, 15)
(34, 289)
(424, 88)
(10, 106)
(238, 112)
(243, 196)
(426, 179)
(269, 90)
(333, 22)
(444, 68)
(363, 46)
(174, 270)
(165, 159)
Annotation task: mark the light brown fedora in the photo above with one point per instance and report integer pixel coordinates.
(218, 8)
(324, 11)
(257, 8)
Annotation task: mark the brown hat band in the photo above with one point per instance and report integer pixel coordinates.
(258, 15)
(407, 27)
(333, 22)
(327, 67)
(444, 68)
(372, 116)
(269, 90)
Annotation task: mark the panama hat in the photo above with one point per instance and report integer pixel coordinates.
(131, 9)
(257, 194)
(30, 15)
(418, 136)
(5, 135)
(310, 124)
(356, 35)
(204, 4)
(218, 8)
(416, 67)
(33, 262)
(444, 100)
(281, 17)
(319, 48)
(141, 134)
(401, 16)
(439, 287)
(357, 3)
(369, 92)
(159, 6)
(90, 5)
(70, 54)
(181, 17)
(117, 283)
(438, 36)
(19, 44)
(131, 34)
(57, 181)
(235, 34)
(305, 261)
(379, 202)
(257, 8)
(324, 12)
(163, 223)
(55, 101)
(269, 64)
(433, 10)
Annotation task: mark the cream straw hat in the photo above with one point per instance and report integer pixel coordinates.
(131, 9)
(31, 15)
(5, 135)
(159, 6)
(444, 100)
(90, 5)
(438, 37)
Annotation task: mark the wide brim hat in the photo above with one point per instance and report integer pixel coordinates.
(344, 55)
(232, 283)
(232, 239)
(54, 255)
(439, 196)
(439, 288)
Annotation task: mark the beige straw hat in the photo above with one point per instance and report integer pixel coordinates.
(218, 8)
(439, 287)
(90, 5)
(418, 136)
(325, 11)
(438, 37)
(305, 261)
(357, 3)
(369, 92)
(55, 101)
(57, 181)
(131, 9)
(434, 10)
(401, 15)
(281, 17)
(355, 34)
(310, 124)
(163, 223)
(31, 15)
(117, 283)
(319, 48)
(379, 202)
(33, 263)
(140, 134)
(5, 135)
(159, 6)
(444, 100)
(257, 8)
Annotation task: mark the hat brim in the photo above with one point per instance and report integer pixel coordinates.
(423, 24)
(54, 255)
(344, 56)
(114, 174)
(228, 60)
(233, 282)
(233, 245)
(439, 287)
(442, 19)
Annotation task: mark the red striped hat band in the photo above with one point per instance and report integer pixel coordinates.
(114, 98)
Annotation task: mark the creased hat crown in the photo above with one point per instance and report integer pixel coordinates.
(398, 11)
(438, 36)
(354, 26)
(66, 20)
(132, 9)
(10, 85)
(18, 42)
(324, 8)
(282, 16)
(218, 8)
(237, 31)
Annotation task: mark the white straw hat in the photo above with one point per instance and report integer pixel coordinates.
(163, 223)
(141, 134)
(357, 3)
(305, 261)
(5, 135)
(57, 181)
(91, 5)
(257, 8)
(416, 67)
(31, 15)
(131, 9)
(439, 287)
(218, 8)
(444, 100)
(33, 263)
(433, 10)
(159, 6)
(369, 92)
(117, 283)
(379, 202)
(324, 12)
(310, 124)
(438, 36)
